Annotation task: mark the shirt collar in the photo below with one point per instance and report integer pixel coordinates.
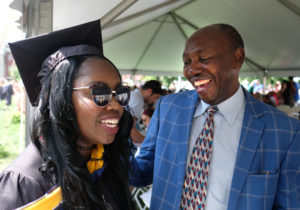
(200, 109)
(229, 108)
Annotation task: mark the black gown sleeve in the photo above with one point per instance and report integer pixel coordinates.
(17, 190)
(22, 182)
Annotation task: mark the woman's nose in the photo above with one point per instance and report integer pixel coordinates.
(113, 104)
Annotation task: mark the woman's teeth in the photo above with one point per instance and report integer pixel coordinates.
(201, 82)
(110, 122)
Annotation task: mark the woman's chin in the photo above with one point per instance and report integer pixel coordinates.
(107, 140)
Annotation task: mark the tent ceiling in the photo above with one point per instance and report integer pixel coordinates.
(149, 36)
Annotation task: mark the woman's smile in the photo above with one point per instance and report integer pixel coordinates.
(110, 124)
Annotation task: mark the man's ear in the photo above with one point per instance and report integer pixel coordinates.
(239, 56)
(149, 92)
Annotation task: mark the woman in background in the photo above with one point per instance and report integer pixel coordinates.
(146, 116)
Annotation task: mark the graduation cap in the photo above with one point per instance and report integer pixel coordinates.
(38, 55)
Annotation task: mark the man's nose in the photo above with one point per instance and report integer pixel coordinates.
(194, 68)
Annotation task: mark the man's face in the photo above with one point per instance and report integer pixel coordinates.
(154, 97)
(212, 65)
(150, 97)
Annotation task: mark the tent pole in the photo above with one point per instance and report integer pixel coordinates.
(186, 21)
(137, 14)
(178, 25)
(265, 81)
(255, 64)
(150, 42)
(263, 69)
(116, 11)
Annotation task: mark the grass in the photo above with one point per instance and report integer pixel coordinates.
(12, 138)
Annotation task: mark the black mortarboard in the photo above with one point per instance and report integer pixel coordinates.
(30, 54)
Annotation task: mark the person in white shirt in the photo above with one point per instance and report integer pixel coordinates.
(139, 98)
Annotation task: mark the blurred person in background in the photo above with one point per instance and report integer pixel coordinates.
(286, 94)
(277, 87)
(19, 95)
(147, 95)
(268, 99)
(7, 91)
(2, 82)
(296, 89)
(146, 116)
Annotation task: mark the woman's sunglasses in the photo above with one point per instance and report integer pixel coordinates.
(102, 94)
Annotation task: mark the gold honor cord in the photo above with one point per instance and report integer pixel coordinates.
(53, 198)
(96, 161)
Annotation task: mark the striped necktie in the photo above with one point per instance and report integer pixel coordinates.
(195, 183)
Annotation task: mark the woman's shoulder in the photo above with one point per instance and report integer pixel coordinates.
(27, 163)
(21, 182)
(18, 189)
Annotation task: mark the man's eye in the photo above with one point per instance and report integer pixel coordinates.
(204, 60)
(186, 62)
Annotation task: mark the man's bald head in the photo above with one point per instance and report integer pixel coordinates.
(229, 31)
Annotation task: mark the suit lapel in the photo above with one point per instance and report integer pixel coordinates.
(188, 115)
(249, 140)
(182, 150)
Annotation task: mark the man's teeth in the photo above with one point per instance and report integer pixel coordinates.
(201, 82)
(110, 123)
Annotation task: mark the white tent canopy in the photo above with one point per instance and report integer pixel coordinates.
(148, 37)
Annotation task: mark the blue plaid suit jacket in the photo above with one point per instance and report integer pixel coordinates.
(267, 168)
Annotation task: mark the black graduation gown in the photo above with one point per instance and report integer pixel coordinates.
(22, 182)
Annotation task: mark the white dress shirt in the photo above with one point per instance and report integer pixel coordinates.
(136, 103)
(227, 130)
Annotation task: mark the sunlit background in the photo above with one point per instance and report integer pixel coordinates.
(12, 117)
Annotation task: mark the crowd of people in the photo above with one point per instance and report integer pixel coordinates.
(283, 92)
(213, 147)
(12, 90)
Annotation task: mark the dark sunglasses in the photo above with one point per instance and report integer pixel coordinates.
(102, 94)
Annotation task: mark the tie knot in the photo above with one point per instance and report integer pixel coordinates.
(211, 110)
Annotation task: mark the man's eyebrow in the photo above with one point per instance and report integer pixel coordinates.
(198, 51)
